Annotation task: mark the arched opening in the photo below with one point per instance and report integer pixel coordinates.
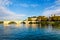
(23, 23)
(1, 22)
(30, 22)
(12, 22)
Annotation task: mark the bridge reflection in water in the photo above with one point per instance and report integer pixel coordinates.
(34, 26)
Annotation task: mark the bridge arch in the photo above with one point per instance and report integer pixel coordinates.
(30, 22)
(9, 22)
(12, 22)
(23, 22)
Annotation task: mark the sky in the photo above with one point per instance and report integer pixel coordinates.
(21, 9)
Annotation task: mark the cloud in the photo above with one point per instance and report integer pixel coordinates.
(24, 5)
(6, 14)
(28, 5)
(34, 5)
(5, 2)
(57, 1)
(51, 12)
(54, 9)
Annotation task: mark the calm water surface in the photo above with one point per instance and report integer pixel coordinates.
(29, 32)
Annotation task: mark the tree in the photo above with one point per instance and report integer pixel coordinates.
(29, 19)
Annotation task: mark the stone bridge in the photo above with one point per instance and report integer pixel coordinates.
(17, 22)
(7, 22)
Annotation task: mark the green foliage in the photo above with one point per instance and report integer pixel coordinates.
(34, 17)
(12, 23)
(1, 22)
(23, 22)
(29, 19)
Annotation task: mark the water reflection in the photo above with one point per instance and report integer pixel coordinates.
(34, 25)
(30, 31)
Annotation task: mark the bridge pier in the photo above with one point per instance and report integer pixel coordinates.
(6, 23)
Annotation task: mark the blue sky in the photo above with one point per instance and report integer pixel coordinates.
(30, 7)
(21, 9)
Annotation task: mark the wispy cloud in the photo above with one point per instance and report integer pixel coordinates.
(54, 9)
(28, 5)
(4, 2)
(34, 5)
(6, 14)
(24, 5)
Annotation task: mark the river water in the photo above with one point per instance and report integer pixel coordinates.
(29, 32)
